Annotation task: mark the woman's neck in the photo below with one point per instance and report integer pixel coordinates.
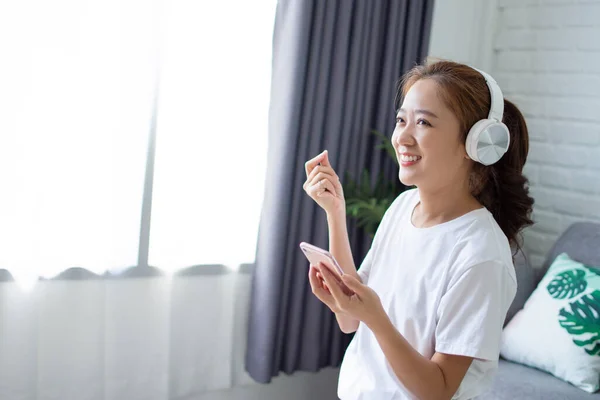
(442, 205)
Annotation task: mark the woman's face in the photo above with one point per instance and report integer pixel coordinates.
(427, 139)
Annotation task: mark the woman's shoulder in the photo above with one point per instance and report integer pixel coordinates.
(482, 242)
(486, 230)
(405, 199)
(396, 210)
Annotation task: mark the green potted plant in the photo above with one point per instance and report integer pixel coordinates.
(367, 201)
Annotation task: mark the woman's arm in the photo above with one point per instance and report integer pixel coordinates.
(324, 186)
(438, 378)
(339, 243)
(339, 247)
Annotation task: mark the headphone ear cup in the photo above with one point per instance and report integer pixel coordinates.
(473, 138)
(487, 141)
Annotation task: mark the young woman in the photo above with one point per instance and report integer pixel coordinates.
(431, 296)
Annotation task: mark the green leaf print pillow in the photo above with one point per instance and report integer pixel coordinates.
(558, 329)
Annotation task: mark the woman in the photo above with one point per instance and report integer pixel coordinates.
(431, 296)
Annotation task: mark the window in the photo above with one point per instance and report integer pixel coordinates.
(78, 80)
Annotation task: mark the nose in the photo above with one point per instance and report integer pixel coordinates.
(403, 136)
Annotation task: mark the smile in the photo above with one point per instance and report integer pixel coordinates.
(404, 158)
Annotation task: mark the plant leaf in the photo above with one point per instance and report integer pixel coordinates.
(386, 144)
(365, 187)
(584, 318)
(567, 284)
(593, 270)
(367, 200)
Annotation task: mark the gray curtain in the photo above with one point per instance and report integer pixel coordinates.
(336, 65)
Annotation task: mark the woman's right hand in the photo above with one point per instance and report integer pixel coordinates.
(320, 289)
(323, 185)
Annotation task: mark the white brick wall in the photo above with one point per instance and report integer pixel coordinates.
(547, 60)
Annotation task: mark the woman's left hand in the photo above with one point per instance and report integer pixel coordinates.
(364, 304)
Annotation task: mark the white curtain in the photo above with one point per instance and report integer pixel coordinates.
(129, 339)
(77, 86)
(212, 132)
(78, 80)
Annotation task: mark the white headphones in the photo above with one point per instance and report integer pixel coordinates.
(489, 138)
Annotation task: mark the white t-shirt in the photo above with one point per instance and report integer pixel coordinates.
(446, 289)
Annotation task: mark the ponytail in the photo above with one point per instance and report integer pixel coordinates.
(501, 187)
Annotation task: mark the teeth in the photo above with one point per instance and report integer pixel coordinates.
(409, 158)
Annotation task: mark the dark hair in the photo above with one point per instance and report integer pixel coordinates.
(501, 187)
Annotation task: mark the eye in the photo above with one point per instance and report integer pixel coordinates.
(424, 122)
(399, 120)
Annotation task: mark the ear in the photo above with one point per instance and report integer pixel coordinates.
(463, 149)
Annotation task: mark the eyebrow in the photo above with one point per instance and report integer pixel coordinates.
(421, 111)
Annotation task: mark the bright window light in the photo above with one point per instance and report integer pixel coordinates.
(212, 132)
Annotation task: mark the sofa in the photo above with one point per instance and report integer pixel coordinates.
(514, 381)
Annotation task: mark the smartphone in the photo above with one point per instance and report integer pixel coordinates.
(317, 255)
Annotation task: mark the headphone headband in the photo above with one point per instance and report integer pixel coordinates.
(496, 97)
(488, 139)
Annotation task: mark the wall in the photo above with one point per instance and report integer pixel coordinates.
(547, 59)
(452, 31)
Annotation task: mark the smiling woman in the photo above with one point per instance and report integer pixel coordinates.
(430, 297)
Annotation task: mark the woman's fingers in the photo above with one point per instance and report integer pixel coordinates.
(321, 176)
(334, 285)
(313, 277)
(322, 183)
(318, 286)
(316, 178)
(328, 288)
(321, 173)
(326, 159)
(311, 164)
(320, 188)
(322, 169)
